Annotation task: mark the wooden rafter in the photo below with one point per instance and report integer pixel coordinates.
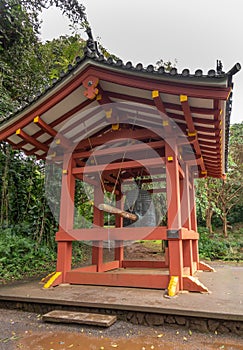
(53, 124)
(167, 105)
(31, 140)
(187, 115)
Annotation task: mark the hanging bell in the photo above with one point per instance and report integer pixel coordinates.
(140, 203)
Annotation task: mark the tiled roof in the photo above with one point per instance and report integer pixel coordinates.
(92, 55)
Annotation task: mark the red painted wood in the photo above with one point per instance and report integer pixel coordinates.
(188, 234)
(59, 120)
(49, 102)
(29, 139)
(122, 149)
(193, 206)
(187, 255)
(98, 220)
(152, 162)
(137, 134)
(64, 258)
(192, 286)
(119, 279)
(195, 252)
(188, 116)
(117, 234)
(144, 264)
(67, 195)
(176, 260)
(172, 187)
(108, 266)
(119, 247)
(90, 268)
(167, 105)
(185, 199)
(64, 249)
(164, 87)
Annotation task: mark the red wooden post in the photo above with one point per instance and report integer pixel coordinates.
(119, 248)
(64, 249)
(172, 187)
(97, 246)
(185, 199)
(188, 256)
(195, 253)
(173, 212)
(193, 206)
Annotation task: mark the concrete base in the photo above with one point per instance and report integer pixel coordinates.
(225, 302)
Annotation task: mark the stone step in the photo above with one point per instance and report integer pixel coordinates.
(79, 317)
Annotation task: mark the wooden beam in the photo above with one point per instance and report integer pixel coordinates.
(137, 134)
(114, 234)
(29, 139)
(156, 281)
(144, 264)
(167, 105)
(121, 149)
(62, 118)
(49, 130)
(187, 114)
(153, 162)
(132, 80)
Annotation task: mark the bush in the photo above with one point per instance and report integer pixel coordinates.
(217, 247)
(20, 256)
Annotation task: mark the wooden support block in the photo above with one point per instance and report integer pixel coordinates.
(205, 267)
(192, 284)
(79, 317)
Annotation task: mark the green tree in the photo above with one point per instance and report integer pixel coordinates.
(26, 67)
(220, 197)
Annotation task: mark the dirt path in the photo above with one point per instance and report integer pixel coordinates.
(27, 331)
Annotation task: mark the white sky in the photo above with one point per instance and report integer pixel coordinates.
(194, 32)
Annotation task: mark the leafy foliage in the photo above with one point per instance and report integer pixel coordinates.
(217, 247)
(219, 197)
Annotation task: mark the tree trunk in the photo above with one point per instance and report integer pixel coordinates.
(225, 228)
(4, 194)
(209, 214)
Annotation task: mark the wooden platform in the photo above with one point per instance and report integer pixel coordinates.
(63, 316)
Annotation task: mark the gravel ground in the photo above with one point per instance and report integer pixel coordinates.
(21, 330)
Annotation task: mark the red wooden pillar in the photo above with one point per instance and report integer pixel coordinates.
(119, 248)
(186, 221)
(97, 246)
(185, 199)
(188, 256)
(195, 251)
(173, 212)
(193, 206)
(64, 248)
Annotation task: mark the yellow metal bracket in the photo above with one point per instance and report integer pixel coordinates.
(173, 286)
(192, 133)
(52, 279)
(183, 98)
(108, 113)
(155, 93)
(115, 127)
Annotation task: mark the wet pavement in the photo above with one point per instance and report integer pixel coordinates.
(27, 331)
(65, 341)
